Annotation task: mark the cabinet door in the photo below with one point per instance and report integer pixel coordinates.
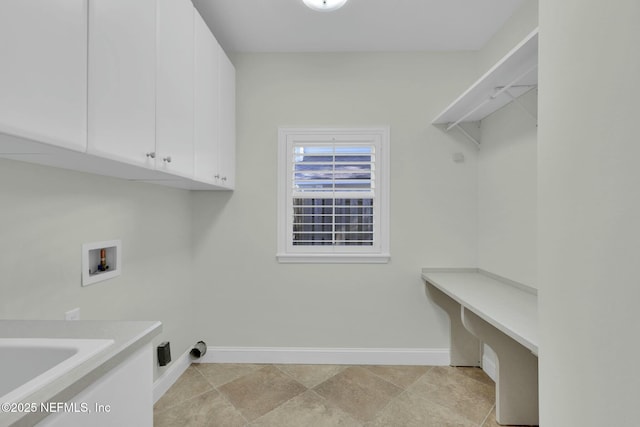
(122, 69)
(174, 88)
(206, 138)
(43, 71)
(122, 397)
(227, 163)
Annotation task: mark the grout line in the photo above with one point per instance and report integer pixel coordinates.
(336, 407)
(378, 413)
(311, 390)
(458, 370)
(421, 376)
(279, 406)
(259, 366)
(226, 399)
(290, 377)
(203, 377)
(403, 388)
(487, 416)
(221, 394)
(192, 397)
(322, 382)
(184, 401)
(427, 397)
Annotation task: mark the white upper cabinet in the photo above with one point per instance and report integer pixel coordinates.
(138, 89)
(207, 109)
(122, 83)
(175, 87)
(227, 160)
(43, 73)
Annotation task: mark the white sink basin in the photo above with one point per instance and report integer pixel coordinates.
(28, 364)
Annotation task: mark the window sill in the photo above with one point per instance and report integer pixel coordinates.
(333, 258)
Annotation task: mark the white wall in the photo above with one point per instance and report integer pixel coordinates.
(46, 215)
(507, 192)
(589, 210)
(246, 298)
(522, 22)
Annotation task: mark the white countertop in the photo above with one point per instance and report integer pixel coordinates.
(128, 337)
(510, 307)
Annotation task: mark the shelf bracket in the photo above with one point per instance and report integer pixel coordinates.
(468, 135)
(502, 90)
(514, 81)
(521, 105)
(461, 119)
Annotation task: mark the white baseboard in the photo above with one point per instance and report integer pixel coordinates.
(171, 375)
(489, 366)
(327, 356)
(312, 356)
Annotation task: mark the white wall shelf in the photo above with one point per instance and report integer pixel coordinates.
(514, 75)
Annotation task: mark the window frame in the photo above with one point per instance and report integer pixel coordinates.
(379, 251)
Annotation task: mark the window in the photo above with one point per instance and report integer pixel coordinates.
(333, 203)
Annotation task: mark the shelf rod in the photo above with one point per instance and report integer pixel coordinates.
(514, 81)
(492, 97)
(468, 135)
(518, 87)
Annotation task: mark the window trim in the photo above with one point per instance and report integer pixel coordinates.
(382, 254)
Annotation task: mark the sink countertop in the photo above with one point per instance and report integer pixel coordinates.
(128, 337)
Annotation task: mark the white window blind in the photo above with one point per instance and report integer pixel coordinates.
(333, 194)
(333, 203)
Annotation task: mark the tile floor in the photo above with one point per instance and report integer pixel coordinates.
(229, 395)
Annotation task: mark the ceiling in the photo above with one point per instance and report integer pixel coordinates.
(360, 26)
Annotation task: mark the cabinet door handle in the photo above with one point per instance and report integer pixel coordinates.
(167, 159)
(224, 178)
(152, 155)
(217, 176)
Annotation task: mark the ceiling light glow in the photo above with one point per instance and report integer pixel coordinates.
(324, 5)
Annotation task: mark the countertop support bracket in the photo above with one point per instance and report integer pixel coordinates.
(486, 308)
(517, 376)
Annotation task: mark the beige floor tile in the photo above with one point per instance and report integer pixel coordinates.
(261, 391)
(477, 374)
(190, 384)
(311, 375)
(491, 420)
(278, 395)
(221, 373)
(358, 392)
(306, 410)
(464, 395)
(402, 376)
(206, 410)
(409, 410)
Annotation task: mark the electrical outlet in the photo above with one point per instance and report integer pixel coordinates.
(72, 314)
